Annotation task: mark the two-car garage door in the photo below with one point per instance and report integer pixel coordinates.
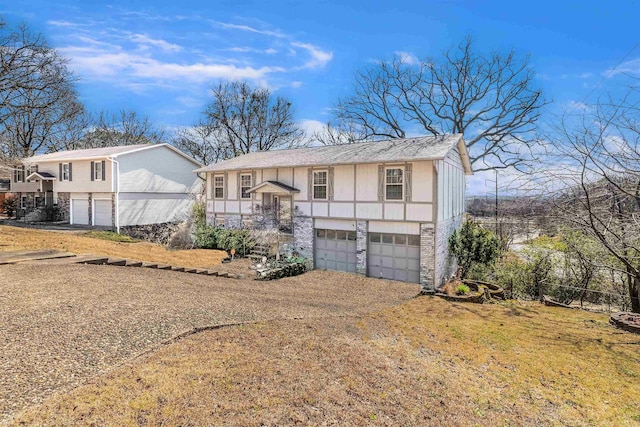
(389, 256)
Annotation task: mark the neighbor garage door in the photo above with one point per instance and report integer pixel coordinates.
(335, 250)
(80, 211)
(394, 256)
(102, 212)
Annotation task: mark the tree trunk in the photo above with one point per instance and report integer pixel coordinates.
(634, 290)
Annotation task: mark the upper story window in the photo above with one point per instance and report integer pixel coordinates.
(218, 187)
(32, 169)
(97, 171)
(18, 175)
(394, 184)
(320, 185)
(65, 172)
(245, 186)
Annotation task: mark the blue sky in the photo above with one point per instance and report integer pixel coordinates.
(160, 57)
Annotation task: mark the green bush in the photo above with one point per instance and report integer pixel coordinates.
(208, 237)
(10, 206)
(462, 290)
(473, 244)
(199, 213)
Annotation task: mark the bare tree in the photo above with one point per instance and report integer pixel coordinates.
(242, 119)
(491, 99)
(125, 127)
(39, 107)
(201, 143)
(602, 199)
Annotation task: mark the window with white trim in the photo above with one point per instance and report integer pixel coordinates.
(18, 175)
(319, 185)
(65, 171)
(218, 187)
(23, 202)
(245, 186)
(394, 184)
(97, 171)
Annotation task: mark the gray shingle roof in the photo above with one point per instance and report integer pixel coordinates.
(89, 153)
(395, 150)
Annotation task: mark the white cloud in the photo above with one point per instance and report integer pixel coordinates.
(407, 58)
(319, 58)
(628, 67)
(296, 84)
(229, 26)
(144, 40)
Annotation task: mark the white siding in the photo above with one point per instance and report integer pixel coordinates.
(420, 212)
(422, 182)
(367, 183)
(285, 176)
(394, 211)
(342, 210)
(369, 210)
(304, 208)
(343, 183)
(451, 186)
(80, 177)
(233, 206)
(300, 177)
(153, 208)
(157, 170)
(269, 175)
(394, 227)
(246, 207)
(320, 209)
(232, 186)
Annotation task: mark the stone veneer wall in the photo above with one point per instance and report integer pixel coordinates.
(64, 204)
(210, 218)
(90, 209)
(361, 247)
(303, 236)
(427, 257)
(445, 264)
(232, 221)
(155, 233)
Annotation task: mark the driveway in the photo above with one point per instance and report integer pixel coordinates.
(64, 324)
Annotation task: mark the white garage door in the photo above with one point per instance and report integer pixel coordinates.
(80, 211)
(394, 256)
(102, 212)
(335, 250)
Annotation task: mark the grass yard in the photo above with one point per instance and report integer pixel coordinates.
(425, 362)
(105, 243)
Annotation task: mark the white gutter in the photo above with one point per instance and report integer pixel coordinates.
(116, 182)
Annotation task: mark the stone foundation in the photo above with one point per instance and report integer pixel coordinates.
(232, 221)
(427, 257)
(303, 236)
(361, 247)
(64, 203)
(445, 264)
(155, 233)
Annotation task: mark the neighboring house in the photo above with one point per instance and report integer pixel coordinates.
(113, 187)
(384, 209)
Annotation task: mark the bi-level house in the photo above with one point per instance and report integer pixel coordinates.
(382, 209)
(113, 187)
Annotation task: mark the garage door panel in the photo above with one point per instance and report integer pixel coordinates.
(80, 211)
(102, 213)
(334, 250)
(393, 256)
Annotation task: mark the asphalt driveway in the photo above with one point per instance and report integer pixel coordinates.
(63, 324)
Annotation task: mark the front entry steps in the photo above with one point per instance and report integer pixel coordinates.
(54, 257)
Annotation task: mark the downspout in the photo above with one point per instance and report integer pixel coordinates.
(116, 181)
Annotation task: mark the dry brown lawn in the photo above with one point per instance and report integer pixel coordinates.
(16, 238)
(425, 362)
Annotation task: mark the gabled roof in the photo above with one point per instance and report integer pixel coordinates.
(275, 187)
(395, 150)
(102, 153)
(43, 176)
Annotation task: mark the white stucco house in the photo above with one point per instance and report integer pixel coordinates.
(112, 187)
(382, 209)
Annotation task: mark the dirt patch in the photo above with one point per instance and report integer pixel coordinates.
(64, 324)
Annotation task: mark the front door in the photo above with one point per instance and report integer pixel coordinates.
(282, 209)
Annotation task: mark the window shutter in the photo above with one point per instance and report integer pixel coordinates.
(238, 182)
(93, 170)
(309, 184)
(70, 173)
(330, 184)
(253, 183)
(23, 174)
(407, 182)
(104, 172)
(212, 185)
(224, 185)
(380, 183)
(59, 171)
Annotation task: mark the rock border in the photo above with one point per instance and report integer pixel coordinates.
(620, 323)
